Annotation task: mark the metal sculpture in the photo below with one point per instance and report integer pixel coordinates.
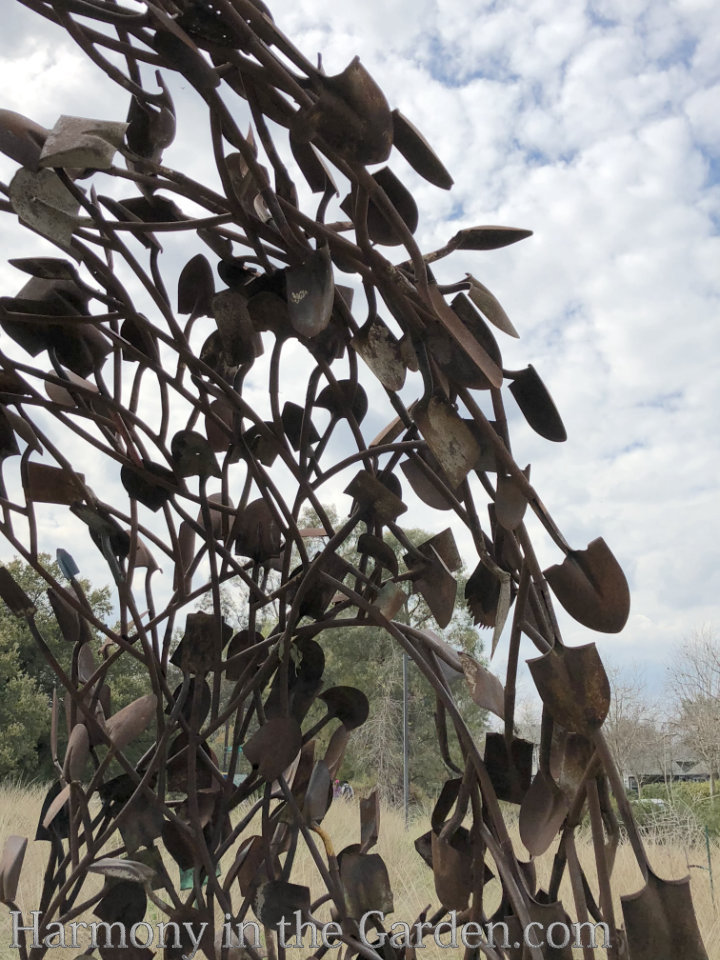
(215, 490)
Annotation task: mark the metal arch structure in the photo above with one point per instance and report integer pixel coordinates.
(204, 503)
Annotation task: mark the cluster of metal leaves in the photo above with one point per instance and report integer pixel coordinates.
(277, 267)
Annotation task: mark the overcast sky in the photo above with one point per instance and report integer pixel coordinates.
(596, 125)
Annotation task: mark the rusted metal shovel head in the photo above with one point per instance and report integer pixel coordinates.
(438, 588)
(348, 704)
(448, 436)
(274, 746)
(369, 821)
(453, 872)
(128, 723)
(591, 586)
(258, 534)
(660, 921)
(310, 293)
(574, 687)
(10, 867)
(381, 351)
(537, 405)
(367, 884)
(485, 688)
(278, 900)
(542, 812)
(509, 769)
(418, 152)
(14, 596)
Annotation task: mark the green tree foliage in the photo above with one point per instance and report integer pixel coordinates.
(27, 681)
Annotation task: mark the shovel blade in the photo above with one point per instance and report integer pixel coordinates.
(537, 405)
(660, 921)
(310, 293)
(592, 588)
(542, 812)
(381, 351)
(418, 152)
(448, 437)
(574, 687)
(510, 770)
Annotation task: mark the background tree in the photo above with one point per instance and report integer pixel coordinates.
(695, 691)
(630, 729)
(27, 682)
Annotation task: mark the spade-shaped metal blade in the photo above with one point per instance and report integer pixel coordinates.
(574, 687)
(591, 586)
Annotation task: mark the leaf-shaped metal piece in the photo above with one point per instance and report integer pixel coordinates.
(43, 202)
(21, 139)
(72, 626)
(318, 795)
(310, 291)
(379, 550)
(125, 902)
(293, 417)
(468, 335)
(421, 482)
(490, 307)
(343, 397)
(591, 585)
(436, 584)
(510, 501)
(240, 653)
(82, 143)
(118, 868)
(77, 752)
(485, 688)
(14, 596)
(239, 339)
(537, 405)
(66, 562)
(369, 821)
(389, 600)
(11, 863)
(452, 866)
(380, 226)
(127, 724)
(196, 287)
(487, 238)
(335, 753)
(151, 126)
(418, 152)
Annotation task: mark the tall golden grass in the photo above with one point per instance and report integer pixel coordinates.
(411, 880)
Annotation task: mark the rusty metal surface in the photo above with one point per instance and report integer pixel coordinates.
(215, 492)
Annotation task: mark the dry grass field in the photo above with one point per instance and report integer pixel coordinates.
(411, 880)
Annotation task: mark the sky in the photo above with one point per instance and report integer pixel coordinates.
(597, 126)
